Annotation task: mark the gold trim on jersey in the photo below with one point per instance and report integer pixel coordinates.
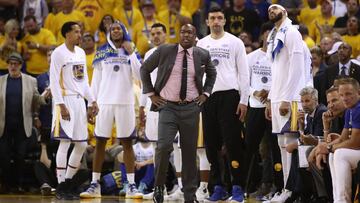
(57, 121)
(63, 92)
(200, 142)
(294, 116)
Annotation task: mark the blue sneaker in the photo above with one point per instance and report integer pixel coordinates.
(219, 194)
(237, 194)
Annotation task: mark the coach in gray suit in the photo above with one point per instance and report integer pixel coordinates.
(178, 95)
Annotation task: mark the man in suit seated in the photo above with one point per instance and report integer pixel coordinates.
(311, 129)
(345, 67)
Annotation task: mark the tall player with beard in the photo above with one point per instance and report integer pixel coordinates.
(115, 64)
(69, 85)
(226, 108)
(286, 51)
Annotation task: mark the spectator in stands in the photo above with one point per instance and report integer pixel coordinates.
(318, 68)
(329, 49)
(104, 27)
(37, 42)
(9, 9)
(239, 18)
(19, 111)
(323, 24)
(304, 31)
(141, 32)
(344, 68)
(292, 7)
(333, 122)
(310, 12)
(260, 7)
(344, 151)
(88, 44)
(56, 7)
(352, 36)
(128, 14)
(37, 8)
(174, 17)
(352, 10)
(93, 12)
(67, 14)
(9, 43)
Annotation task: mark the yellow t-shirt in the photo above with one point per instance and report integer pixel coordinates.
(93, 12)
(100, 38)
(61, 18)
(49, 22)
(314, 32)
(37, 63)
(190, 5)
(141, 36)
(307, 15)
(6, 52)
(90, 68)
(354, 43)
(309, 42)
(128, 18)
(172, 24)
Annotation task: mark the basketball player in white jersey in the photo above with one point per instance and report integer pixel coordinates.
(69, 86)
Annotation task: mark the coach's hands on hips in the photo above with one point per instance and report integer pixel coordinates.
(201, 99)
(65, 115)
(241, 111)
(157, 100)
(284, 108)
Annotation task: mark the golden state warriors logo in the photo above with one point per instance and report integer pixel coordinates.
(78, 72)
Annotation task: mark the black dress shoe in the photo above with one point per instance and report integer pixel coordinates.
(158, 194)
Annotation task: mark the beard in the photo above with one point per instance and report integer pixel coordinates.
(277, 18)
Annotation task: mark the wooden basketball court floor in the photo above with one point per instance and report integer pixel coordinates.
(51, 199)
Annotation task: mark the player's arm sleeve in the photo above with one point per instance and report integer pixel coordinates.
(296, 66)
(242, 73)
(87, 92)
(96, 80)
(55, 74)
(135, 62)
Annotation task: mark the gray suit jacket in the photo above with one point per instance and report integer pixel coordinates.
(30, 101)
(164, 57)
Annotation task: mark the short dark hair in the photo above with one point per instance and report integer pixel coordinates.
(87, 34)
(67, 27)
(303, 29)
(30, 17)
(215, 9)
(159, 25)
(268, 26)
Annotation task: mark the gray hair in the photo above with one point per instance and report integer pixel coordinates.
(309, 91)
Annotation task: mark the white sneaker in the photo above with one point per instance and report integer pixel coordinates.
(175, 187)
(281, 198)
(133, 193)
(94, 191)
(150, 195)
(177, 195)
(202, 193)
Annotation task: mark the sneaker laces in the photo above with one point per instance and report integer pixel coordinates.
(92, 187)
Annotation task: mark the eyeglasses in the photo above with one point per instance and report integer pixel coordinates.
(13, 63)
